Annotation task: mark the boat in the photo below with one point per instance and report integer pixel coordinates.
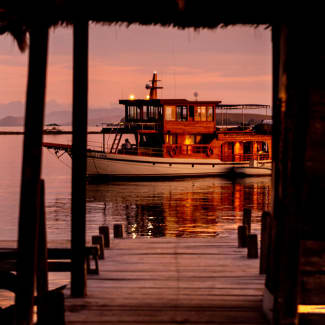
(177, 138)
(52, 128)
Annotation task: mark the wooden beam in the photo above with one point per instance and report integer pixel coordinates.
(286, 236)
(299, 161)
(30, 179)
(79, 159)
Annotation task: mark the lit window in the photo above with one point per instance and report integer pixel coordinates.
(170, 113)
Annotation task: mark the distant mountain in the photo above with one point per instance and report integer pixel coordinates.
(12, 121)
(16, 108)
(95, 116)
(12, 114)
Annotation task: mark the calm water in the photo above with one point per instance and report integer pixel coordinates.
(187, 207)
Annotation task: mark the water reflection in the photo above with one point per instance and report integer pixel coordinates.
(179, 208)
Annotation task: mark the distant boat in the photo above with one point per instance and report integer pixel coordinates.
(177, 138)
(52, 128)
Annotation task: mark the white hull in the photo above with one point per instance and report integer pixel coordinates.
(118, 165)
(252, 171)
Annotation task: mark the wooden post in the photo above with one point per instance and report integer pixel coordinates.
(79, 159)
(104, 230)
(42, 268)
(54, 300)
(252, 246)
(118, 231)
(265, 241)
(99, 240)
(103, 141)
(247, 219)
(299, 175)
(242, 236)
(30, 180)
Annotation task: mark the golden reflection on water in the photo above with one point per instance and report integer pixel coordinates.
(179, 208)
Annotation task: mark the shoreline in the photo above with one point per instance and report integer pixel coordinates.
(47, 133)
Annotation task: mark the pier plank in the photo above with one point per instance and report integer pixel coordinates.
(172, 281)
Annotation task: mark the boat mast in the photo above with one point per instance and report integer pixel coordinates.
(154, 86)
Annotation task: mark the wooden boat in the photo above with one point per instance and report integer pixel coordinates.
(177, 138)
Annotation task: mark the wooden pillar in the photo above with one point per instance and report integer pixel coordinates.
(30, 180)
(299, 157)
(79, 159)
(42, 267)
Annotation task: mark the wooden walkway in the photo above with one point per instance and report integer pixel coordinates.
(172, 281)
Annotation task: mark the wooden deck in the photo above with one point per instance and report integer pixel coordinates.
(172, 281)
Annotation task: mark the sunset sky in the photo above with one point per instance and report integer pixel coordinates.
(232, 65)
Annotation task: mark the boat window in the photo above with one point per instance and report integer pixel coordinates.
(191, 111)
(138, 113)
(262, 147)
(248, 147)
(197, 139)
(210, 113)
(181, 112)
(200, 113)
(132, 112)
(153, 112)
(189, 139)
(170, 139)
(170, 113)
(145, 112)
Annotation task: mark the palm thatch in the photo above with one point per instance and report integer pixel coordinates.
(17, 17)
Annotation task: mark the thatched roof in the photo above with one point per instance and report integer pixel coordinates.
(17, 17)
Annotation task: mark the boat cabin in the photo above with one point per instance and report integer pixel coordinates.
(181, 128)
(187, 129)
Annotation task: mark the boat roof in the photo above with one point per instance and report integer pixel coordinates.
(157, 102)
(177, 101)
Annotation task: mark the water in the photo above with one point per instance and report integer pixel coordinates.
(197, 207)
(194, 207)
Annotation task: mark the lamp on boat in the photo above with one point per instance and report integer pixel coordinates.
(131, 97)
(147, 97)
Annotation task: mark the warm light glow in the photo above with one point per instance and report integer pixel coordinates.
(147, 97)
(189, 139)
(311, 309)
(131, 97)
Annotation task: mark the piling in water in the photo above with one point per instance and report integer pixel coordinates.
(99, 240)
(252, 250)
(242, 236)
(118, 231)
(104, 231)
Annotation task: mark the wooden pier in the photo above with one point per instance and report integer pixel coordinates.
(172, 281)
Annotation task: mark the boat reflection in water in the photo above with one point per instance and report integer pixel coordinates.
(197, 207)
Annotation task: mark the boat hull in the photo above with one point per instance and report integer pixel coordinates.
(251, 171)
(119, 166)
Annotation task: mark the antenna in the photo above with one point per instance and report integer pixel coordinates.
(154, 86)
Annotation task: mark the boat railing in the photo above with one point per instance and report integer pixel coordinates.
(245, 157)
(143, 126)
(208, 151)
(200, 151)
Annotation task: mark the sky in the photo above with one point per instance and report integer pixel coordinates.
(232, 65)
